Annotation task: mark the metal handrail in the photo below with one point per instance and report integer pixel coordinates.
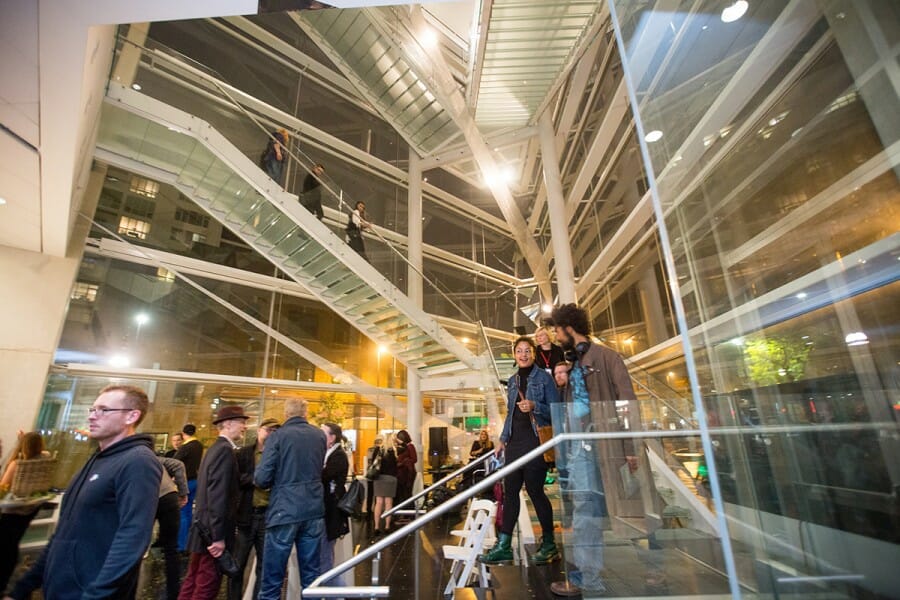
(442, 481)
(315, 590)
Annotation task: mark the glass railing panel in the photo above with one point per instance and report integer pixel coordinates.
(260, 219)
(243, 211)
(199, 161)
(235, 190)
(624, 531)
(771, 191)
(213, 181)
(279, 228)
(122, 132)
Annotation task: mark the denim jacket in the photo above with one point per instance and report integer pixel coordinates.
(541, 390)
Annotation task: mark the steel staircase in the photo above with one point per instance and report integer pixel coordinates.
(183, 150)
(377, 66)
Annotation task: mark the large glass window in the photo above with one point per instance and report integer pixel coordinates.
(771, 132)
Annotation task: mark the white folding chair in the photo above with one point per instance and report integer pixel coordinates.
(491, 537)
(465, 555)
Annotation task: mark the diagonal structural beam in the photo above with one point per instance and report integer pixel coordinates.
(432, 71)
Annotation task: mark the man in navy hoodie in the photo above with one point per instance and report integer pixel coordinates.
(107, 511)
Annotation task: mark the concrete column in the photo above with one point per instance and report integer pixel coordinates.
(414, 291)
(32, 315)
(556, 206)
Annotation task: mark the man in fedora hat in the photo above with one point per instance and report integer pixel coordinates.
(218, 493)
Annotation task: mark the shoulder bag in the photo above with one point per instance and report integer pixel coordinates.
(351, 502)
(544, 433)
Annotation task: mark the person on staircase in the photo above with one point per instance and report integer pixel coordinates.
(273, 157)
(355, 226)
(530, 393)
(311, 193)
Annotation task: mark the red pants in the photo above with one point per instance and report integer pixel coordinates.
(202, 580)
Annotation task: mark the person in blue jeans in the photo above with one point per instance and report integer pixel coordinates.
(291, 467)
(190, 453)
(273, 158)
(597, 380)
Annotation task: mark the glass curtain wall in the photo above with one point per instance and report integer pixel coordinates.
(771, 132)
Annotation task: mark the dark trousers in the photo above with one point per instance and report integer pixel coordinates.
(532, 475)
(252, 536)
(168, 514)
(370, 496)
(202, 580)
(12, 528)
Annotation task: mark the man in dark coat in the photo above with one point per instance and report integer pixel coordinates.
(107, 511)
(291, 467)
(218, 494)
(251, 519)
(334, 476)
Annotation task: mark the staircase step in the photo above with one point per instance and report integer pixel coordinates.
(233, 188)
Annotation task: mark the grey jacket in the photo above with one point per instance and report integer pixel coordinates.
(291, 466)
(173, 477)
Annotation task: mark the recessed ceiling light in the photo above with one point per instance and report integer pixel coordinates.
(136, 87)
(653, 136)
(735, 11)
(2, 201)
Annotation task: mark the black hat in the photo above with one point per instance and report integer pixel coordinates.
(229, 412)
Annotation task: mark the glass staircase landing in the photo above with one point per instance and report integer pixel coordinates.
(233, 189)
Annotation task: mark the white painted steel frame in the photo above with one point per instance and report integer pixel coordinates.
(159, 112)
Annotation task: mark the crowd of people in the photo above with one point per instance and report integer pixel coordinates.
(282, 491)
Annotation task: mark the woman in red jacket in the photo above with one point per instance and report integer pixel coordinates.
(406, 465)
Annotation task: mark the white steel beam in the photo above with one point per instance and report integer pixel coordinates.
(462, 151)
(88, 370)
(111, 248)
(320, 139)
(617, 111)
(431, 68)
(556, 207)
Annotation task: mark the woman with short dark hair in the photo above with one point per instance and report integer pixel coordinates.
(529, 395)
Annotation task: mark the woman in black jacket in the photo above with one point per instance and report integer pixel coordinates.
(334, 476)
(385, 485)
